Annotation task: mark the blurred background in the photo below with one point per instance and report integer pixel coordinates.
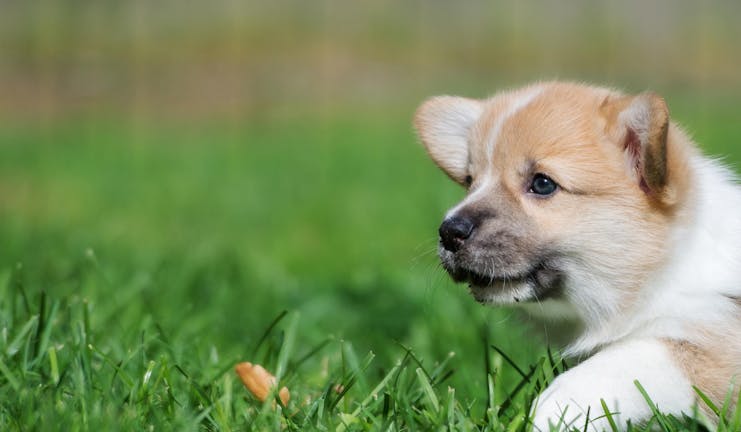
(202, 166)
(250, 60)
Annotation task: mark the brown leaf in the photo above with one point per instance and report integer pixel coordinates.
(259, 381)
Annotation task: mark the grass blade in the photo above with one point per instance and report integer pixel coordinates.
(268, 330)
(707, 401)
(509, 360)
(659, 417)
(41, 326)
(53, 365)
(371, 397)
(608, 416)
(524, 381)
(15, 344)
(12, 380)
(428, 391)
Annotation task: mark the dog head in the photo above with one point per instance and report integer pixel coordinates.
(571, 191)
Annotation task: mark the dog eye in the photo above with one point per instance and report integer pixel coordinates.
(543, 185)
(468, 181)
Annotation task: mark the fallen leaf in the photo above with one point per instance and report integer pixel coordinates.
(260, 382)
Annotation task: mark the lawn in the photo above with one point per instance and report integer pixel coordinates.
(140, 262)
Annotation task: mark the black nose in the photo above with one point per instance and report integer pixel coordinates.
(454, 231)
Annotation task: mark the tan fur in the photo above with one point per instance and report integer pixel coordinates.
(710, 367)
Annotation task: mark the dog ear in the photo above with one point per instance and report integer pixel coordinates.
(443, 124)
(639, 124)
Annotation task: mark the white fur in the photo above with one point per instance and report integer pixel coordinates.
(448, 122)
(610, 375)
(481, 190)
(637, 117)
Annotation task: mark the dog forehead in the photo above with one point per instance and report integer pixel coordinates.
(545, 122)
(497, 112)
(556, 129)
(553, 123)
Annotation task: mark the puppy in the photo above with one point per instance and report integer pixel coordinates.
(588, 205)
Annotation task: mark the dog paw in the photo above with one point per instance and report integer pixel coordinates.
(569, 404)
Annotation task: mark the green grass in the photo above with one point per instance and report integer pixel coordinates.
(139, 264)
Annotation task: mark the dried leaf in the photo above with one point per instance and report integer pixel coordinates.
(259, 381)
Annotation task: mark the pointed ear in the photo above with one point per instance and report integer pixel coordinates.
(444, 124)
(639, 124)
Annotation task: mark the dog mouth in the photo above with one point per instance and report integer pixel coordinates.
(475, 278)
(539, 282)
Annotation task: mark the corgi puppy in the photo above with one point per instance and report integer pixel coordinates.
(591, 206)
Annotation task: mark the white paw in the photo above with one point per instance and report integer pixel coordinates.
(565, 405)
(575, 397)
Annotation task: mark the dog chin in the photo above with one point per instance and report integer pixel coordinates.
(503, 292)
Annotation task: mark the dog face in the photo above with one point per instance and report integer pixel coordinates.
(571, 192)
